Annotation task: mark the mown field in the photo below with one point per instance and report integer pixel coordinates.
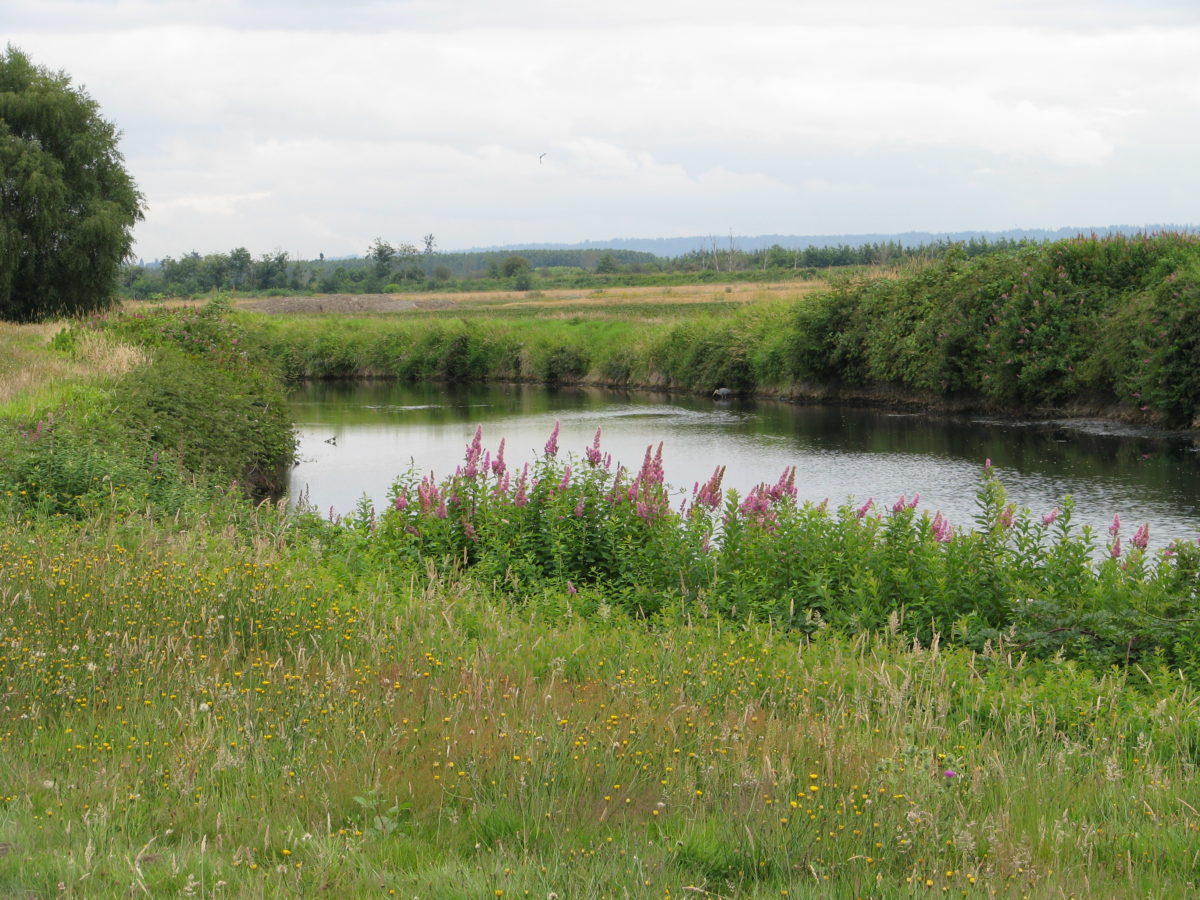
(548, 683)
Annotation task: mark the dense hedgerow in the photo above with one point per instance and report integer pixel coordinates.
(1078, 321)
(1087, 322)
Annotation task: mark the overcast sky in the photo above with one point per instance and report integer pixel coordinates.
(314, 126)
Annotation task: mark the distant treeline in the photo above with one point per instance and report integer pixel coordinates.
(391, 268)
(1086, 323)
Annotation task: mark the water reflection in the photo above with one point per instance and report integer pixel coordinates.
(382, 428)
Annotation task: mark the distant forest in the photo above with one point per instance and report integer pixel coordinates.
(388, 268)
(681, 246)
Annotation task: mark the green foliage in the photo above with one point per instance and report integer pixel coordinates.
(514, 265)
(1108, 323)
(1085, 320)
(79, 462)
(563, 364)
(607, 265)
(567, 527)
(559, 682)
(212, 419)
(203, 405)
(67, 205)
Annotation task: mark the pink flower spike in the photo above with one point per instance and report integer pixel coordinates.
(1141, 537)
(916, 498)
(571, 589)
(1115, 550)
(865, 508)
(552, 444)
(899, 504)
(474, 453)
(710, 494)
(1116, 525)
(593, 452)
(1050, 517)
(498, 466)
(942, 532)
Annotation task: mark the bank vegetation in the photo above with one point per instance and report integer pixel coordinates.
(553, 681)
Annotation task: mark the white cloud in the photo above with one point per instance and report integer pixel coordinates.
(317, 127)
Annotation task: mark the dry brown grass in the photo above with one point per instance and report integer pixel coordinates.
(30, 369)
(562, 299)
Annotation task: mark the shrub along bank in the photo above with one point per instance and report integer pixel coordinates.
(1108, 324)
(195, 415)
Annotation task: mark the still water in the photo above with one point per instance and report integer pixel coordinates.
(357, 437)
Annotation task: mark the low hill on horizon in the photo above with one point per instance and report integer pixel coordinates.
(680, 246)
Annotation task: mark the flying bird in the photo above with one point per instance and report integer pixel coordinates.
(540, 158)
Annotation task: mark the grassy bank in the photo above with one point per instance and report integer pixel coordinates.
(225, 711)
(157, 410)
(553, 682)
(1089, 324)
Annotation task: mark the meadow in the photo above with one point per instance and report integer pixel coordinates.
(225, 711)
(549, 683)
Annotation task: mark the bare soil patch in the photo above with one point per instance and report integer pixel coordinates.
(351, 304)
(331, 303)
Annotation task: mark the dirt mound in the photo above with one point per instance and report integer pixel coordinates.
(330, 303)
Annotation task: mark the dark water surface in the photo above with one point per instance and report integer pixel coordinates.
(382, 428)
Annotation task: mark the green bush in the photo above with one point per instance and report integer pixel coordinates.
(211, 419)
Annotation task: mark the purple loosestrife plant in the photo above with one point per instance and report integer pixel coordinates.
(1013, 578)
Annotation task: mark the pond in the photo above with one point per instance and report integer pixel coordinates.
(356, 438)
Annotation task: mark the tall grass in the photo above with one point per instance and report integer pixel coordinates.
(33, 381)
(217, 711)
